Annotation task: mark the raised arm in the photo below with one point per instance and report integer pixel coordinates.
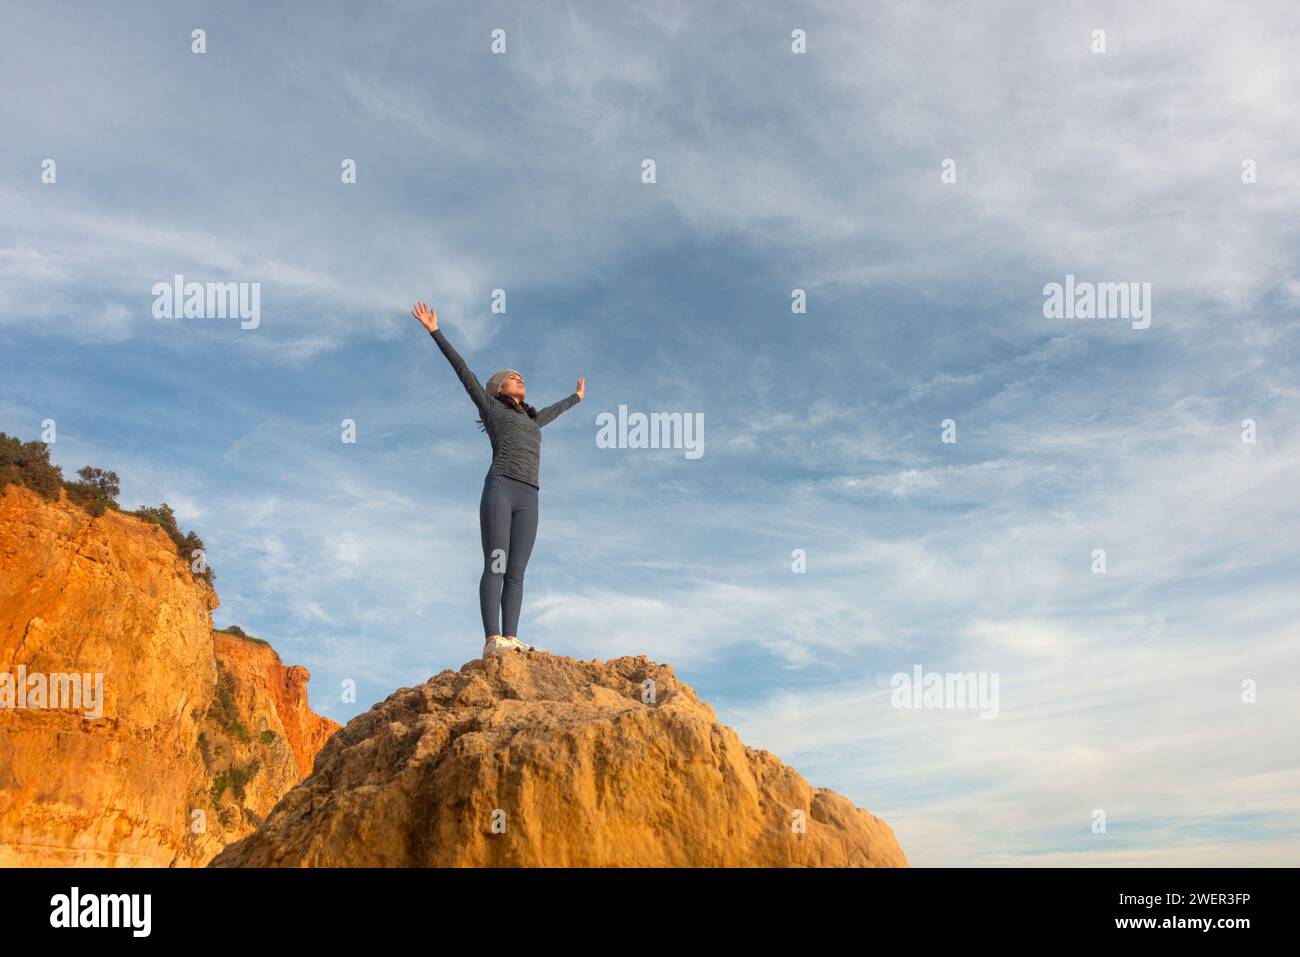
(429, 319)
(549, 413)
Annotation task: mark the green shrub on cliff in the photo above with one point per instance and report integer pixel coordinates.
(28, 464)
(234, 779)
(96, 492)
(240, 633)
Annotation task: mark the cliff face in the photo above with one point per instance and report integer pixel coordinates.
(177, 765)
(541, 760)
(271, 697)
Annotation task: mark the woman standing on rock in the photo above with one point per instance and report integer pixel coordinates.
(507, 512)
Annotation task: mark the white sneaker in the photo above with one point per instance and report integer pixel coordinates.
(522, 646)
(495, 645)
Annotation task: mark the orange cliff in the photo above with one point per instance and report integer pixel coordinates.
(199, 734)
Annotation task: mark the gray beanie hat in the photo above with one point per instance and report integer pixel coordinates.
(496, 380)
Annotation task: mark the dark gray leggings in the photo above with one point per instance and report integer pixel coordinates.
(507, 519)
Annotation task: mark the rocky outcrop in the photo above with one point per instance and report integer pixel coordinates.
(272, 697)
(198, 735)
(540, 760)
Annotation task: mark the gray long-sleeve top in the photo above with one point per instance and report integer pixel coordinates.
(516, 436)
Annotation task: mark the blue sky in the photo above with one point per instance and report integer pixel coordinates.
(1118, 691)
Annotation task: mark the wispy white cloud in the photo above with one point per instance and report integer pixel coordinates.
(1120, 691)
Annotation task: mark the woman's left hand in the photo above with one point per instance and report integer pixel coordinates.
(581, 389)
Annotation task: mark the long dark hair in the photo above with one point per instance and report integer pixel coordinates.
(505, 400)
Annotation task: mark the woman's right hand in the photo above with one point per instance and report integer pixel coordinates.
(428, 318)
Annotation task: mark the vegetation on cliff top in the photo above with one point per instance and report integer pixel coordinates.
(240, 633)
(28, 464)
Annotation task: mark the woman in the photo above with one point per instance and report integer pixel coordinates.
(507, 512)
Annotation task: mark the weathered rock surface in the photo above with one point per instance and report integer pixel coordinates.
(541, 760)
(201, 733)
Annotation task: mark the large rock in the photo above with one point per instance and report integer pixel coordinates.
(201, 733)
(541, 760)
